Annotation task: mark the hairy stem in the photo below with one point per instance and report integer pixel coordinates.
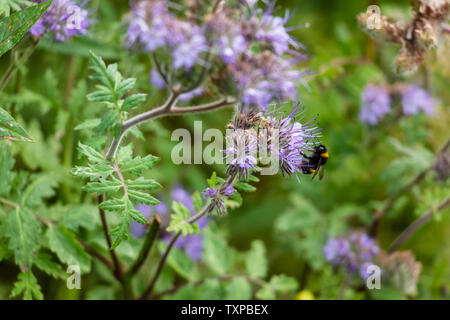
(146, 247)
(117, 268)
(167, 109)
(417, 224)
(393, 198)
(13, 67)
(207, 209)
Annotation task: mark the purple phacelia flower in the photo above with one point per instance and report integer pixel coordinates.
(376, 103)
(209, 193)
(293, 140)
(416, 99)
(64, 19)
(153, 26)
(353, 252)
(227, 190)
(156, 79)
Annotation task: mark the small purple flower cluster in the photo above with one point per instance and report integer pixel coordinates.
(153, 26)
(253, 46)
(192, 244)
(353, 252)
(275, 137)
(416, 99)
(64, 19)
(259, 53)
(377, 101)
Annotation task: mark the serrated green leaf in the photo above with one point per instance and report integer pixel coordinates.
(89, 124)
(22, 229)
(63, 242)
(11, 130)
(6, 165)
(197, 201)
(92, 155)
(110, 118)
(120, 231)
(238, 288)
(216, 253)
(113, 205)
(103, 186)
(143, 184)
(142, 197)
(125, 86)
(138, 164)
(256, 260)
(283, 284)
(14, 27)
(136, 214)
(41, 187)
(244, 187)
(82, 215)
(6, 6)
(133, 101)
(27, 286)
(44, 262)
(178, 219)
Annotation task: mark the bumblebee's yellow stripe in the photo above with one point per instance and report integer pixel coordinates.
(311, 170)
(324, 155)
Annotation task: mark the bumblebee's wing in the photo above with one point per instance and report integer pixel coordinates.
(322, 172)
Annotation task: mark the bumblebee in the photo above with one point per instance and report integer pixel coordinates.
(315, 162)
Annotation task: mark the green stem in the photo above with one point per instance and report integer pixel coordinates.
(13, 67)
(417, 224)
(146, 247)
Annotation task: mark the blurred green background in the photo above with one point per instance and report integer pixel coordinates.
(292, 217)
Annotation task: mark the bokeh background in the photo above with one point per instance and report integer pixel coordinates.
(293, 217)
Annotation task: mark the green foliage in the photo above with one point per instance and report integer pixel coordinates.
(178, 221)
(256, 260)
(108, 177)
(12, 5)
(27, 286)
(280, 284)
(15, 26)
(10, 129)
(22, 229)
(111, 93)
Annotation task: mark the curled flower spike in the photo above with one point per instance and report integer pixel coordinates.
(272, 138)
(64, 19)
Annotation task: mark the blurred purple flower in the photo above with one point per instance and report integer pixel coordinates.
(376, 103)
(416, 99)
(209, 193)
(139, 229)
(64, 19)
(192, 244)
(353, 252)
(190, 95)
(156, 79)
(153, 26)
